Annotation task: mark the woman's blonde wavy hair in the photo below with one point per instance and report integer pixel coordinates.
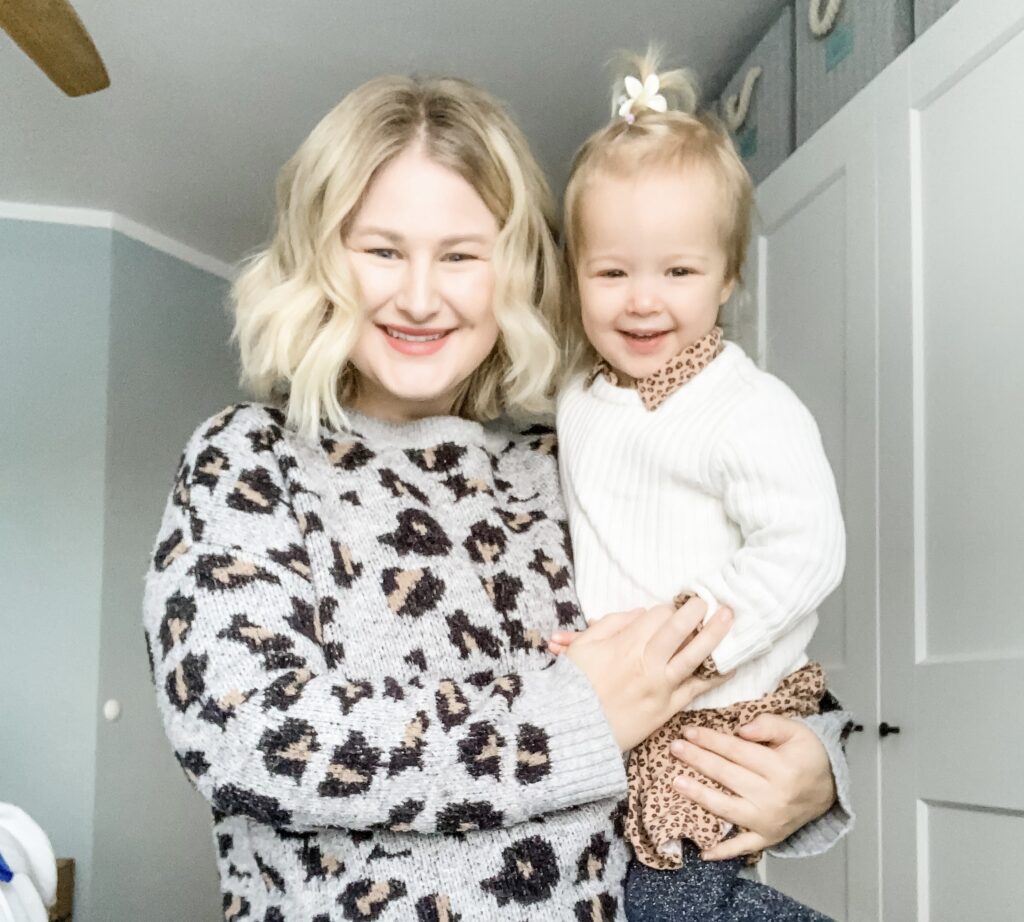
(678, 138)
(296, 303)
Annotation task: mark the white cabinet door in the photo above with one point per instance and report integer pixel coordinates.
(952, 488)
(814, 269)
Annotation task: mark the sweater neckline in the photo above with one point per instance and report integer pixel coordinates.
(603, 389)
(420, 433)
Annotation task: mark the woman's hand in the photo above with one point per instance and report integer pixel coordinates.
(641, 664)
(779, 774)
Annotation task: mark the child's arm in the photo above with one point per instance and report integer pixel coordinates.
(770, 470)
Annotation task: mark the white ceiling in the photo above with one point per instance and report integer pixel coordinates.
(208, 99)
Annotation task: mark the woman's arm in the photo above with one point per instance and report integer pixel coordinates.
(789, 782)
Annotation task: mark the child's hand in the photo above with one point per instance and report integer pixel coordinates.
(561, 640)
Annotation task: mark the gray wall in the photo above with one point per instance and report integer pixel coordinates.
(169, 370)
(111, 353)
(54, 299)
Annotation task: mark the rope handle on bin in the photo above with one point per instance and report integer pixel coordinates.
(822, 23)
(735, 108)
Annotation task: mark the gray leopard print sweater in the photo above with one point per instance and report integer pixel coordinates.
(347, 639)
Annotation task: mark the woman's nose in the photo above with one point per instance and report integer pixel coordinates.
(418, 297)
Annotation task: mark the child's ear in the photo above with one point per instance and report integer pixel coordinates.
(727, 291)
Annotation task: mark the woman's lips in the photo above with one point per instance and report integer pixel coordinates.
(414, 340)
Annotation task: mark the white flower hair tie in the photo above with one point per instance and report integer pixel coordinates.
(641, 96)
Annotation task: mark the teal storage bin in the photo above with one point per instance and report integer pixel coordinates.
(858, 43)
(760, 116)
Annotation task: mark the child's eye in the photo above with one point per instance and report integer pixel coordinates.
(611, 274)
(679, 272)
(383, 252)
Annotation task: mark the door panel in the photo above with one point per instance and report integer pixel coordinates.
(814, 266)
(951, 395)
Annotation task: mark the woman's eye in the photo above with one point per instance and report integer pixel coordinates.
(457, 257)
(383, 252)
(679, 272)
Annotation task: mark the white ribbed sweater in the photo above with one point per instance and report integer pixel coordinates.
(723, 490)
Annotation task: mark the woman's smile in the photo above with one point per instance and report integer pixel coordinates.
(415, 341)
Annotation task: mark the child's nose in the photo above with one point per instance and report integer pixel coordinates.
(644, 301)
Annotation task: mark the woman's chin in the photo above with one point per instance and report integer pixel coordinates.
(416, 399)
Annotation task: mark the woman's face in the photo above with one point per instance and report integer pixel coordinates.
(421, 247)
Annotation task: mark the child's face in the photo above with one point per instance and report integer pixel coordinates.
(651, 269)
(421, 248)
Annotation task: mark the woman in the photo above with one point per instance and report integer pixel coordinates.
(352, 592)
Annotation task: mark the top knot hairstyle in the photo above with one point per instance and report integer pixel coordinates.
(297, 306)
(655, 125)
(639, 84)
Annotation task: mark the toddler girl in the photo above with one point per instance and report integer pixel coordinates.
(686, 470)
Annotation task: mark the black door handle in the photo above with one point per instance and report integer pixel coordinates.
(884, 729)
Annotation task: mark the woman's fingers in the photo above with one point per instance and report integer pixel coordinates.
(752, 757)
(725, 806)
(692, 688)
(746, 843)
(683, 661)
(608, 626)
(563, 638)
(770, 729)
(716, 766)
(671, 627)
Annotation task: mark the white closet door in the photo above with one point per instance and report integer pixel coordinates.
(952, 488)
(813, 267)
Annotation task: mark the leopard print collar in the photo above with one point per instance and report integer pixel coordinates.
(657, 387)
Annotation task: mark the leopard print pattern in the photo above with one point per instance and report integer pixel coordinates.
(348, 642)
(658, 387)
(658, 815)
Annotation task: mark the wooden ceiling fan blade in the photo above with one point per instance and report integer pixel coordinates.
(52, 35)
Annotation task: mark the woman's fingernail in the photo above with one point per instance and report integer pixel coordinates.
(690, 733)
(678, 748)
(679, 783)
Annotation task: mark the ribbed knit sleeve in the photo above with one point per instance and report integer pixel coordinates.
(775, 483)
(270, 719)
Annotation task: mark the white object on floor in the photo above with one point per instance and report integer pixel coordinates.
(27, 852)
(24, 902)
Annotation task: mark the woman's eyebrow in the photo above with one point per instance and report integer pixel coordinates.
(377, 232)
(393, 237)
(464, 238)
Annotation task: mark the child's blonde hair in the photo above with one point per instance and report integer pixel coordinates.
(297, 305)
(647, 139)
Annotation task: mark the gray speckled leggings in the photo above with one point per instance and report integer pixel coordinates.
(707, 891)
